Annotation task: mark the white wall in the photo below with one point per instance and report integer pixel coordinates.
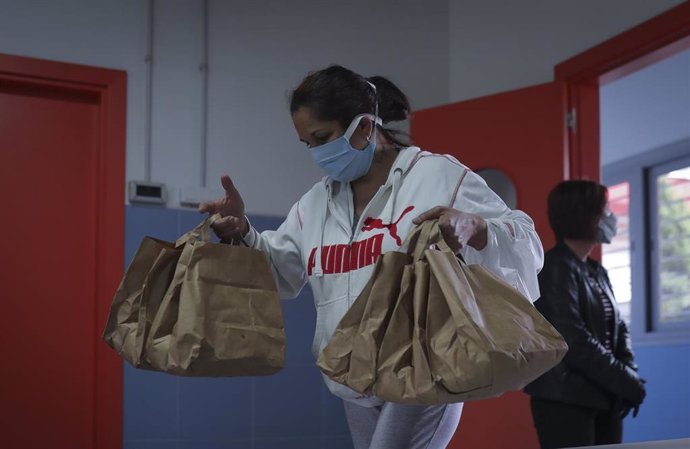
(437, 51)
(264, 48)
(646, 110)
(499, 45)
(109, 34)
(259, 51)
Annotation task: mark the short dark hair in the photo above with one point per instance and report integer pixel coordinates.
(575, 208)
(339, 94)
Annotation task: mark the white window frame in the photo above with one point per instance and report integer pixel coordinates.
(638, 171)
(654, 268)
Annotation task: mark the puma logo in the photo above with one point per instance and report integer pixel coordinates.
(377, 223)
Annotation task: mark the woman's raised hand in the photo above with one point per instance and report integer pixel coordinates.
(231, 208)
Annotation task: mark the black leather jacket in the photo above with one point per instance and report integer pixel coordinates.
(589, 375)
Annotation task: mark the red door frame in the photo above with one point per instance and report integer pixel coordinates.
(643, 45)
(108, 88)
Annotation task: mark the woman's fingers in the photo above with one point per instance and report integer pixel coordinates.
(228, 186)
(216, 206)
(208, 207)
(431, 214)
(227, 227)
(228, 223)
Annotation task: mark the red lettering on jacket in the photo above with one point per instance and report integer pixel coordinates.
(336, 259)
(375, 249)
(354, 256)
(312, 261)
(327, 259)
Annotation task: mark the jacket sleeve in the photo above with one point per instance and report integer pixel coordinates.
(284, 254)
(623, 350)
(513, 250)
(560, 305)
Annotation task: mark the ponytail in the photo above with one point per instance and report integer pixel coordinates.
(393, 107)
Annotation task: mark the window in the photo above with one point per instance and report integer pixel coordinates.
(649, 259)
(670, 200)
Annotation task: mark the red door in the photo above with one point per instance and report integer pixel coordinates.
(523, 134)
(61, 180)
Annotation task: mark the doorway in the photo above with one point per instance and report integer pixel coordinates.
(62, 134)
(645, 153)
(615, 96)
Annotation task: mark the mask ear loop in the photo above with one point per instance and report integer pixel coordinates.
(376, 110)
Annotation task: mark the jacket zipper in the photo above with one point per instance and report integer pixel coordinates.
(338, 218)
(356, 231)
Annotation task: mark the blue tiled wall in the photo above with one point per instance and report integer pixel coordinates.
(289, 410)
(665, 413)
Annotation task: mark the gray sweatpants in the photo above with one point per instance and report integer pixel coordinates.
(398, 426)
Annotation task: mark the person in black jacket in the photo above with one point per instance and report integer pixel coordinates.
(583, 400)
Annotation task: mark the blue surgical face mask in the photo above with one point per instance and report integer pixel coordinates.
(340, 160)
(608, 227)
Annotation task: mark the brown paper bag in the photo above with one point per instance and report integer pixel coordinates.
(137, 298)
(452, 332)
(139, 295)
(221, 315)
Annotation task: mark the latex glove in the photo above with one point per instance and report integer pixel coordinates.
(458, 228)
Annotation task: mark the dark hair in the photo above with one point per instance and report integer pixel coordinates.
(575, 208)
(339, 94)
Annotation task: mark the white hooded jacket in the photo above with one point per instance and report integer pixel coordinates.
(318, 243)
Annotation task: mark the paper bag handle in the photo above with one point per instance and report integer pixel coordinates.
(424, 236)
(202, 230)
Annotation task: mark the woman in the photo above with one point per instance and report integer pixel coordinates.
(582, 401)
(376, 189)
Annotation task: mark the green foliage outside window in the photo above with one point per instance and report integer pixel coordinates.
(674, 246)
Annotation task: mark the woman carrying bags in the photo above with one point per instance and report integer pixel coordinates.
(376, 190)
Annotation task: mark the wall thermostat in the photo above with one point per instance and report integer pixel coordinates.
(147, 192)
